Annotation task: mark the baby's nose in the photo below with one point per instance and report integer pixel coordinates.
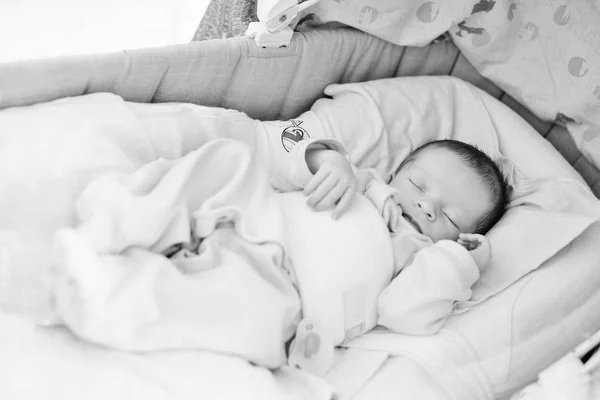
(427, 209)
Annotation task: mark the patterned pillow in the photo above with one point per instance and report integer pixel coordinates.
(403, 22)
(546, 54)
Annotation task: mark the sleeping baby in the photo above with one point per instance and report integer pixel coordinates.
(445, 192)
(202, 252)
(437, 207)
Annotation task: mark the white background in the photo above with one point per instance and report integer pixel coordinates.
(46, 28)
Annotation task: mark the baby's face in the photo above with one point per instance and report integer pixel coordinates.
(440, 195)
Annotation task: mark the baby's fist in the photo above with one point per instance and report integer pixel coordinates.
(479, 248)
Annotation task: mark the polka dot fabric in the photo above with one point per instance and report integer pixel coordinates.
(544, 53)
(404, 22)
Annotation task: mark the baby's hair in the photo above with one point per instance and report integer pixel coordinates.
(487, 170)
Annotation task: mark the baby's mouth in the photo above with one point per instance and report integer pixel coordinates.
(413, 222)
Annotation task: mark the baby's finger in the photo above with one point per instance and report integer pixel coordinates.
(468, 245)
(344, 203)
(321, 193)
(480, 238)
(331, 197)
(316, 180)
(463, 242)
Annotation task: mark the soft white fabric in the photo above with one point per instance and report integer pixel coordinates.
(236, 297)
(48, 153)
(112, 289)
(53, 364)
(341, 266)
(58, 147)
(353, 368)
(567, 379)
(424, 295)
(448, 359)
(558, 209)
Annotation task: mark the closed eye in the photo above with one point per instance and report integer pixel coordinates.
(451, 221)
(415, 185)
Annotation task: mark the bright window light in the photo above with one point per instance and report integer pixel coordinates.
(47, 28)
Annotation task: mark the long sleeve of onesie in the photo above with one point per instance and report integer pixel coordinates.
(431, 279)
(279, 146)
(420, 299)
(289, 171)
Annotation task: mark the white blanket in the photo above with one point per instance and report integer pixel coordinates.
(54, 150)
(53, 364)
(234, 294)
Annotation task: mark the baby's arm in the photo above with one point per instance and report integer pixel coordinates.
(333, 183)
(336, 180)
(420, 299)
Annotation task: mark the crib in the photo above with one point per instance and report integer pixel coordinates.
(537, 319)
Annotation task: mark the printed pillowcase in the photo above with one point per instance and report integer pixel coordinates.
(403, 22)
(544, 53)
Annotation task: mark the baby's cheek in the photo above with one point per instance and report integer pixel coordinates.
(442, 232)
(433, 232)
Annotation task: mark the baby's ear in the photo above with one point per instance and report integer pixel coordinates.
(509, 193)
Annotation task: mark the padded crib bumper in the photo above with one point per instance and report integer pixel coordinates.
(212, 73)
(513, 334)
(235, 73)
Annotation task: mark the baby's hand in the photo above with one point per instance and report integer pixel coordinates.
(333, 184)
(478, 246)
